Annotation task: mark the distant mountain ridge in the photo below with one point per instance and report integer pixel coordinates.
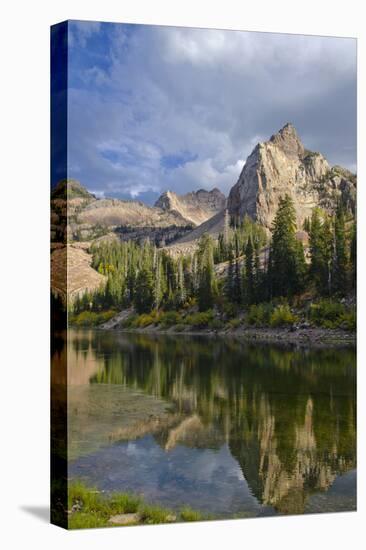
(86, 218)
(196, 206)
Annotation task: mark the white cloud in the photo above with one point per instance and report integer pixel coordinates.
(80, 31)
(214, 94)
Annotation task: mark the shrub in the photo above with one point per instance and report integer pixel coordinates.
(327, 314)
(170, 318)
(234, 323)
(105, 316)
(282, 316)
(129, 322)
(229, 310)
(259, 315)
(144, 320)
(200, 319)
(349, 320)
(216, 324)
(91, 318)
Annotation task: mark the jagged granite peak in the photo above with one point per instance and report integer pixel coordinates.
(282, 166)
(196, 206)
(288, 140)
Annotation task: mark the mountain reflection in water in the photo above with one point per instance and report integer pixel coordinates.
(227, 427)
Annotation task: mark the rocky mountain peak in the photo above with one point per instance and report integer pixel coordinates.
(196, 206)
(282, 166)
(288, 141)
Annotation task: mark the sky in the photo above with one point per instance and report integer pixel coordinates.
(154, 108)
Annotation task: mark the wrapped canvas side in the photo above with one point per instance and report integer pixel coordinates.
(58, 276)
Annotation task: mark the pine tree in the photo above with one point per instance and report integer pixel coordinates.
(182, 295)
(249, 285)
(286, 267)
(130, 280)
(226, 234)
(158, 287)
(321, 245)
(229, 282)
(144, 291)
(340, 260)
(353, 255)
(207, 286)
(237, 282)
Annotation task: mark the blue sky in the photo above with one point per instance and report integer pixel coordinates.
(156, 108)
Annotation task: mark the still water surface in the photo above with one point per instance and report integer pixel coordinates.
(229, 428)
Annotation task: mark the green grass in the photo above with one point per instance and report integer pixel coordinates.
(86, 520)
(89, 508)
(155, 514)
(187, 514)
(124, 503)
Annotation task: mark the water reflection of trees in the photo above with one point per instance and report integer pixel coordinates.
(287, 415)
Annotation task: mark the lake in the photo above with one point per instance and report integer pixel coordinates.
(230, 428)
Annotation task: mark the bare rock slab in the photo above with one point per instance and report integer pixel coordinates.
(124, 519)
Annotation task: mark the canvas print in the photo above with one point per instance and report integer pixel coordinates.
(203, 274)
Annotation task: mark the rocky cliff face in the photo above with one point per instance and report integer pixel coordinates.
(283, 165)
(197, 206)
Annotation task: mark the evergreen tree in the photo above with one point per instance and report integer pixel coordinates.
(226, 234)
(321, 245)
(286, 269)
(144, 291)
(229, 282)
(130, 280)
(340, 260)
(237, 282)
(158, 287)
(249, 285)
(353, 255)
(207, 287)
(181, 297)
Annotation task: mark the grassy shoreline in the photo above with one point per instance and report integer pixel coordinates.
(89, 508)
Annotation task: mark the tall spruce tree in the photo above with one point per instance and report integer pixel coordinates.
(207, 286)
(286, 269)
(249, 284)
(321, 246)
(340, 260)
(353, 255)
(144, 291)
(229, 282)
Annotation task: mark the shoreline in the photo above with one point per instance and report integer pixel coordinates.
(303, 337)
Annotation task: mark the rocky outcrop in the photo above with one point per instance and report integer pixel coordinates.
(72, 274)
(282, 166)
(197, 206)
(77, 215)
(187, 244)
